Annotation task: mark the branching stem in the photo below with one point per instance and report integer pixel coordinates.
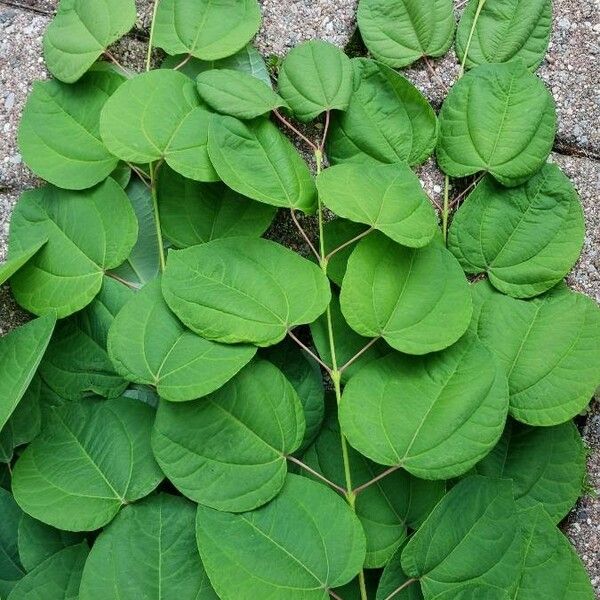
(348, 243)
(334, 595)
(304, 466)
(461, 72)
(151, 39)
(364, 486)
(308, 350)
(399, 589)
(311, 145)
(161, 249)
(434, 73)
(304, 234)
(184, 62)
(358, 355)
(129, 284)
(113, 59)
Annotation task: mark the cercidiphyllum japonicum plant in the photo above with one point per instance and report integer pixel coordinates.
(164, 421)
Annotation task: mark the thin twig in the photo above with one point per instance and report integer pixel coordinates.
(113, 59)
(358, 355)
(398, 590)
(151, 38)
(466, 191)
(304, 234)
(307, 349)
(325, 130)
(461, 4)
(296, 131)
(129, 284)
(184, 62)
(434, 73)
(349, 242)
(379, 477)
(334, 595)
(140, 174)
(304, 466)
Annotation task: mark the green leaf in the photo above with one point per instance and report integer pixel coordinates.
(148, 551)
(550, 567)
(315, 77)
(38, 541)
(403, 294)
(436, 416)
(91, 459)
(388, 120)
(545, 464)
(258, 161)
(147, 344)
(386, 508)
(59, 135)
(122, 174)
(20, 354)
(194, 213)
(76, 363)
(526, 238)
(304, 374)
(57, 578)
(228, 451)
(505, 30)
(473, 592)
(386, 197)
(157, 115)
(237, 94)
(81, 32)
(399, 32)
(87, 233)
(284, 548)
(563, 328)
(244, 289)
(207, 30)
(471, 537)
(11, 569)
(498, 118)
(393, 578)
(17, 260)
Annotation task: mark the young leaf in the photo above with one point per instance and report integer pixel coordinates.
(155, 116)
(526, 238)
(148, 551)
(147, 344)
(87, 232)
(11, 569)
(386, 197)
(403, 294)
(207, 30)
(388, 120)
(436, 416)
(258, 161)
(399, 32)
(81, 32)
(498, 118)
(472, 536)
(546, 465)
(562, 327)
(244, 289)
(315, 77)
(91, 459)
(304, 542)
(505, 30)
(237, 94)
(17, 260)
(59, 135)
(57, 578)
(228, 451)
(194, 213)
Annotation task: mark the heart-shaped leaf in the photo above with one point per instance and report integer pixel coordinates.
(403, 294)
(436, 416)
(388, 120)
(81, 32)
(87, 233)
(92, 458)
(526, 238)
(498, 118)
(148, 551)
(399, 32)
(315, 77)
(258, 161)
(244, 290)
(147, 344)
(258, 555)
(505, 30)
(228, 451)
(386, 197)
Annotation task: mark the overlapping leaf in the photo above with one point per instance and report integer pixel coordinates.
(338, 233)
(11, 569)
(17, 260)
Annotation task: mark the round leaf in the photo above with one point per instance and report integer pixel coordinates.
(244, 290)
(88, 232)
(399, 32)
(148, 551)
(228, 451)
(526, 238)
(498, 118)
(388, 120)
(91, 459)
(147, 344)
(436, 416)
(301, 544)
(315, 77)
(386, 197)
(418, 300)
